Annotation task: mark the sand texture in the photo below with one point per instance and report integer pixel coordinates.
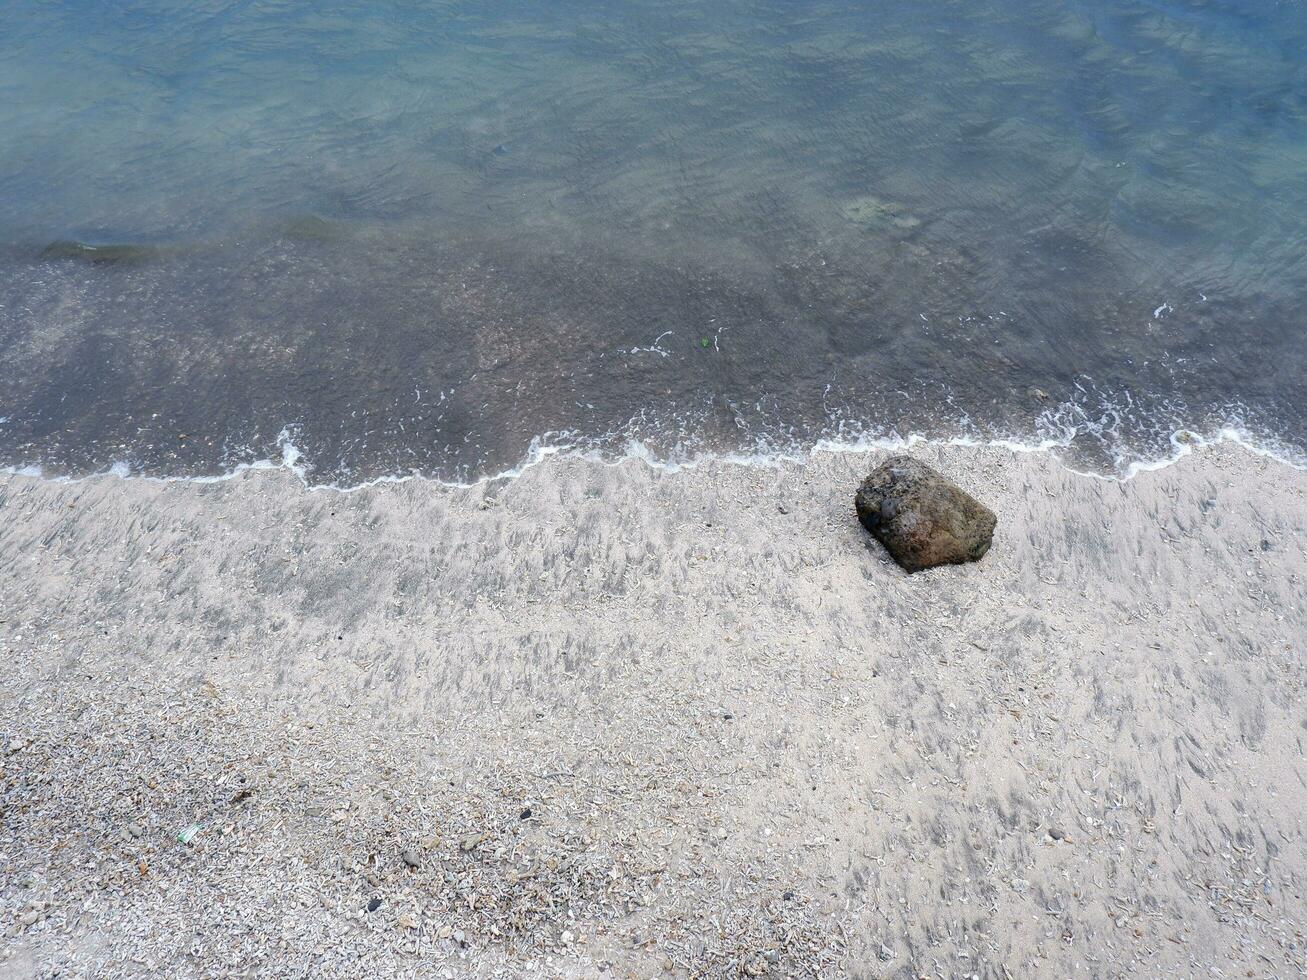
(610, 721)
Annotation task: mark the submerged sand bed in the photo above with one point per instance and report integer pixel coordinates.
(610, 721)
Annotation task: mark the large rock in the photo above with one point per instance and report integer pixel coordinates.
(922, 518)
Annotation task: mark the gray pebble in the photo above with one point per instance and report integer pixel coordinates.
(135, 829)
(411, 857)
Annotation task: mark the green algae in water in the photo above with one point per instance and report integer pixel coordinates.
(99, 254)
(311, 228)
(875, 212)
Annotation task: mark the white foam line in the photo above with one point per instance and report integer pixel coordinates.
(290, 460)
(1183, 442)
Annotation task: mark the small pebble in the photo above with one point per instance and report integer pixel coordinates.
(1057, 833)
(135, 829)
(525, 814)
(411, 857)
(374, 904)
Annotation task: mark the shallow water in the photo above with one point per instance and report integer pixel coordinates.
(421, 236)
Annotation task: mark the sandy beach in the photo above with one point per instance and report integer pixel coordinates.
(612, 721)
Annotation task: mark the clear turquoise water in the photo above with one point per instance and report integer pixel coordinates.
(421, 234)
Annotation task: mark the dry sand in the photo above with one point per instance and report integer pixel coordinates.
(635, 723)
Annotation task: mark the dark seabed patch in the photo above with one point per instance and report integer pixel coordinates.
(383, 354)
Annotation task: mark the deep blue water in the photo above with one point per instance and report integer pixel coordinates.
(419, 235)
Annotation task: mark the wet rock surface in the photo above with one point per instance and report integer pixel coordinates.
(922, 518)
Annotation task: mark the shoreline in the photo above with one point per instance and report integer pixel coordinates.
(632, 722)
(1184, 442)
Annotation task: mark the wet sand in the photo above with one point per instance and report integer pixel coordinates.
(611, 721)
